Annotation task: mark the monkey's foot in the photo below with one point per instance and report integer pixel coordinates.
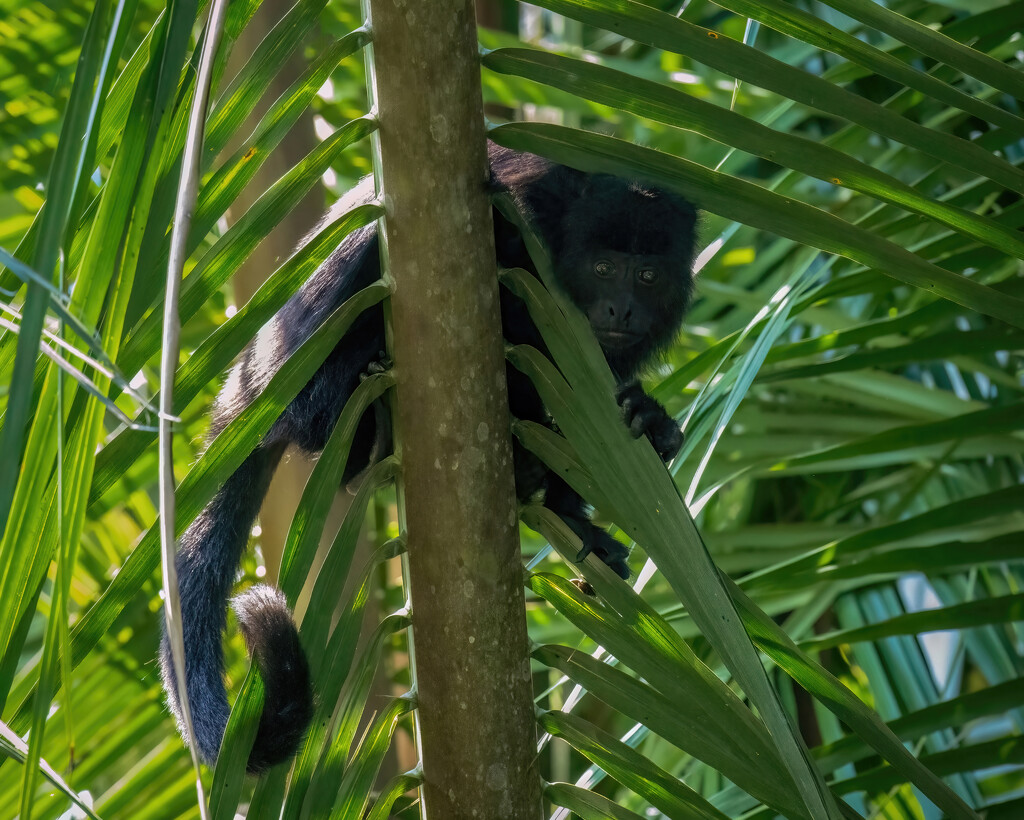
(644, 416)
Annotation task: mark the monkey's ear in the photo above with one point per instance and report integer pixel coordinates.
(570, 183)
(552, 195)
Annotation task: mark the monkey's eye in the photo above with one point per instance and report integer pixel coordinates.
(647, 275)
(604, 268)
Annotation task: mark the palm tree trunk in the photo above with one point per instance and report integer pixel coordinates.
(476, 714)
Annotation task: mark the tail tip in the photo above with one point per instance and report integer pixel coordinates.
(269, 631)
(262, 612)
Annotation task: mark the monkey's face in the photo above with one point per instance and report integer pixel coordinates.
(623, 252)
(620, 294)
(634, 301)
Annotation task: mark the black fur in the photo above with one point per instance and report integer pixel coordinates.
(621, 250)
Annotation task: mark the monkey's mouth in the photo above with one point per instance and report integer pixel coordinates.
(616, 339)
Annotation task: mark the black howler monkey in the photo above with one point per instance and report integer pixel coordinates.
(621, 250)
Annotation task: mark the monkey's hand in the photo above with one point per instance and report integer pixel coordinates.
(382, 364)
(645, 417)
(597, 541)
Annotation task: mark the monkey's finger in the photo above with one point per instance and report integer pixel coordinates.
(585, 550)
(627, 393)
(643, 422)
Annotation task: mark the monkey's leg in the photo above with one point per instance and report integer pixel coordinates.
(311, 417)
(374, 438)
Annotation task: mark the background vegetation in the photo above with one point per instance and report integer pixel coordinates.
(849, 384)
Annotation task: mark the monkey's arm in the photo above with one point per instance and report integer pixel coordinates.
(561, 499)
(644, 416)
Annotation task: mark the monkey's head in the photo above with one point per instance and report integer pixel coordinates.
(625, 257)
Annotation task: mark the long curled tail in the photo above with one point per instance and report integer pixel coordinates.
(210, 551)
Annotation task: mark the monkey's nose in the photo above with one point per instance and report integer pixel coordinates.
(620, 313)
(610, 314)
